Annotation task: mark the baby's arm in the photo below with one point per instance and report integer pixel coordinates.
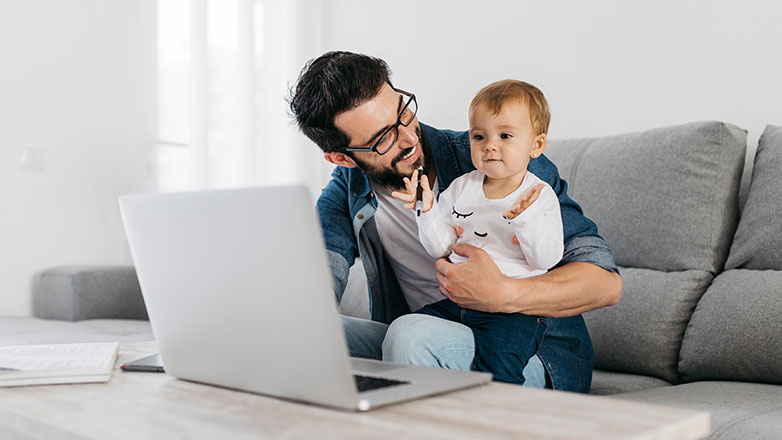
(435, 234)
(538, 230)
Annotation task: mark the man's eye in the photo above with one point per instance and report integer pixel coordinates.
(384, 140)
(506, 136)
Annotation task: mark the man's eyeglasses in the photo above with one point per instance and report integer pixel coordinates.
(388, 138)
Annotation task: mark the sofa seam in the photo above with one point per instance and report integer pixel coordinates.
(705, 283)
(715, 185)
(576, 166)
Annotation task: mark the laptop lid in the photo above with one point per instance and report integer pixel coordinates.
(238, 290)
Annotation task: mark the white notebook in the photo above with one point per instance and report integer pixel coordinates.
(57, 364)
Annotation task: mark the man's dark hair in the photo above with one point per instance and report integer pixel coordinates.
(331, 84)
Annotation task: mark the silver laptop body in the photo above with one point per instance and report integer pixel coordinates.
(238, 291)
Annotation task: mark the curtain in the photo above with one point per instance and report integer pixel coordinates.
(224, 70)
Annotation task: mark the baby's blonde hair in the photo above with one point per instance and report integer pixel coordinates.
(496, 94)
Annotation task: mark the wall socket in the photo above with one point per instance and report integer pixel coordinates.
(33, 159)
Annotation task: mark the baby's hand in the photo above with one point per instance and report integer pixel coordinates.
(410, 189)
(524, 202)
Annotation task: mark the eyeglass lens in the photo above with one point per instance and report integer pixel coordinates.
(405, 118)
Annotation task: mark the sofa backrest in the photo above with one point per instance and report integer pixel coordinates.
(666, 201)
(736, 329)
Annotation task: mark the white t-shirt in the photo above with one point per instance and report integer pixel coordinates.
(413, 266)
(525, 246)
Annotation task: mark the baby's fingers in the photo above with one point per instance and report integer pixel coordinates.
(512, 212)
(412, 181)
(427, 195)
(403, 196)
(425, 185)
(534, 194)
(408, 184)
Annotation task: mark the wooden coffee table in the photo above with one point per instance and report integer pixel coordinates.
(153, 405)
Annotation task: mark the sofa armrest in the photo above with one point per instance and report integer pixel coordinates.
(74, 293)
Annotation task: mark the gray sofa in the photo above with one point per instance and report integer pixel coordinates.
(699, 322)
(81, 304)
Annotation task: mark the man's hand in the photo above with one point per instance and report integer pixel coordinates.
(475, 284)
(568, 290)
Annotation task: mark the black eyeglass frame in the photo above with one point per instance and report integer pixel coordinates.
(373, 147)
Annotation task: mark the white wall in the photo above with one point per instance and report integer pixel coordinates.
(76, 87)
(77, 83)
(605, 66)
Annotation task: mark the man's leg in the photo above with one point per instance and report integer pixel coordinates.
(364, 337)
(429, 341)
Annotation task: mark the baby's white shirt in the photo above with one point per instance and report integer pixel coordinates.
(526, 246)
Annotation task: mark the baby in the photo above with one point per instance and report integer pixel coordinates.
(502, 208)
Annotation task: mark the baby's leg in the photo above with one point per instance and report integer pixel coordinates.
(504, 342)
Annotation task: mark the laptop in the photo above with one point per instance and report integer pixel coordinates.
(238, 291)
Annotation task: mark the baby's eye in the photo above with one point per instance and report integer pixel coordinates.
(506, 136)
(477, 137)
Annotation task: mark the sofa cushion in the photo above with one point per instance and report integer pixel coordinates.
(664, 199)
(736, 331)
(74, 293)
(609, 382)
(643, 332)
(739, 411)
(759, 235)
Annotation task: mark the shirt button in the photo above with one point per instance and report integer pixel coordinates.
(360, 216)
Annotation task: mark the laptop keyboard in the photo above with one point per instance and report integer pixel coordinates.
(366, 383)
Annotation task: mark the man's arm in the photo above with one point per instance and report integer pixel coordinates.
(584, 280)
(568, 290)
(334, 213)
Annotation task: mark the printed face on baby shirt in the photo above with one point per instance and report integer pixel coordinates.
(482, 227)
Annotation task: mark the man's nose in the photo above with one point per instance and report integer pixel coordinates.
(407, 136)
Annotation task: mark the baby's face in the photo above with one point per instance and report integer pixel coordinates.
(502, 144)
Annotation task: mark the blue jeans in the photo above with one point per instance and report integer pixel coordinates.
(424, 340)
(504, 342)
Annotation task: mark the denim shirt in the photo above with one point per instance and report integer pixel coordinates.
(347, 206)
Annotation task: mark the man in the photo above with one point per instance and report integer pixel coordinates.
(345, 103)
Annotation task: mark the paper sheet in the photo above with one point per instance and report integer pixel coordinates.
(56, 357)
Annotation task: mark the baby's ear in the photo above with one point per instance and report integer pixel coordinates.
(539, 146)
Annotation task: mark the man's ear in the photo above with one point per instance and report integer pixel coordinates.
(340, 159)
(540, 145)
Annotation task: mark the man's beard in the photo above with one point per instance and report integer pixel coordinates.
(392, 177)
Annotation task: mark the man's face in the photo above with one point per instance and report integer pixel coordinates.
(366, 123)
